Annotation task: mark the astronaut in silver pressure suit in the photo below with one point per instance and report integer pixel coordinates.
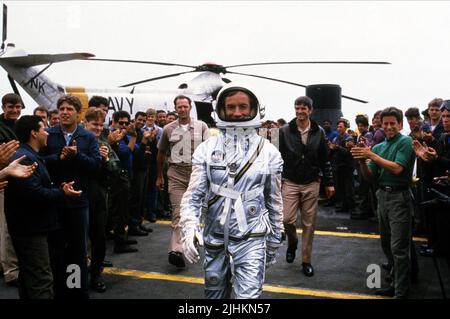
(236, 178)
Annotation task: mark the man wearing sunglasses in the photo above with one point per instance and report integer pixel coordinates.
(125, 147)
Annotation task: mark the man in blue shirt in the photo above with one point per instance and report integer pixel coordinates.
(330, 133)
(343, 167)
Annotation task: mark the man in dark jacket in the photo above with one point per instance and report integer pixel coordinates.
(436, 163)
(343, 167)
(31, 212)
(98, 200)
(72, 153)
(435, 112)
(12, 106)
(125, 148)
(140, 167)
(306, 160)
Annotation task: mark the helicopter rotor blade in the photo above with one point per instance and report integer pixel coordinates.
(5, 25)
(354, 99)
(156, 78)
(267, 78)
(140, 61)
(308, 62)
(292, 83)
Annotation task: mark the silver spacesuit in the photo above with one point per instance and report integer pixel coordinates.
(236, 178)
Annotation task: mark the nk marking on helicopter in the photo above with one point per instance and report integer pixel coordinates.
(21, 68)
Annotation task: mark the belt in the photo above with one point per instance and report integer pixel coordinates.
(394, 188)
(182, 166)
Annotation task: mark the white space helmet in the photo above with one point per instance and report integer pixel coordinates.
(254, 120)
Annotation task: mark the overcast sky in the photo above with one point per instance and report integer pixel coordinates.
(412, 35)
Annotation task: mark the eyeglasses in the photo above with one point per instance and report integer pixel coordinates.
(124, 123)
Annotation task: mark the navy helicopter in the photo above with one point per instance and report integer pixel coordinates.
(21, 68)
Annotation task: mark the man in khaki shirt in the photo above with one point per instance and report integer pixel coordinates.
(179, 140)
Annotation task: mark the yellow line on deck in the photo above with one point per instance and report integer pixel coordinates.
(327, 233)
(267, 288)
(164, 222)
(153, 275)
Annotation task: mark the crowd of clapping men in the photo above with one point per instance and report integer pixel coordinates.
(430, 186)
(69, 186)
(92, 180)
(429, 130)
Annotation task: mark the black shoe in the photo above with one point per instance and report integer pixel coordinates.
(290, 256)
(429, 252)
(290, 252)
(152, 219)
(386, 292)
(176, 259)
(131, 242)
(97, 283)
(146, 228)
(135, 231)
(308, 269)
(386, 266)
(329, 204)
(107, 264)
(121, 249)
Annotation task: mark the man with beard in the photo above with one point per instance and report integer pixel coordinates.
(161, 116)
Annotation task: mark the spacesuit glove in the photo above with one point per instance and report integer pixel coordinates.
(192, 239)
(271, 255)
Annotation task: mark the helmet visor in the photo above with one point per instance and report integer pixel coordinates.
(237, 105)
